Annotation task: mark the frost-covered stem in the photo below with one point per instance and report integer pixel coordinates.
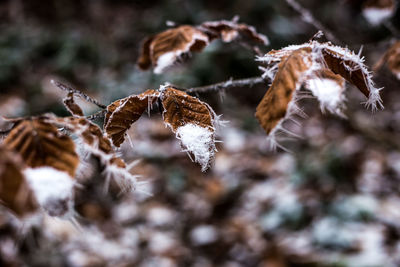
(98, 114)
(309, 18)
(249, 82)
(79, 93)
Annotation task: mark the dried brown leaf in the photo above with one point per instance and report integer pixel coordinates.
(181, 108)
(228, 31)
(122, 113)
(15, 193)
(41, 144)
(166, 48)
(193, 123)
(275, 103)
(348, 69)
(71, 106)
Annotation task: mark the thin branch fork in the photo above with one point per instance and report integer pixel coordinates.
(229, 84)
(79, 93)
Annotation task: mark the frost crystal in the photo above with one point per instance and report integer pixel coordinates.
(53, 190)
(329, 93)
(199, 141)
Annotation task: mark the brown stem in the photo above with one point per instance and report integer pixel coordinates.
(248, 82)
(79, 93)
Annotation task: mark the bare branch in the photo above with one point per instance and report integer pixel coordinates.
(79, 93)
(98, 114)
(248, 82)
(309, 18)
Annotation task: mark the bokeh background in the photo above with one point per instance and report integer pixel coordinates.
(333, 201)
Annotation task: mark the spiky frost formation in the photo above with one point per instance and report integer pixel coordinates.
(199, 141)
(318, 67)
(351, 62)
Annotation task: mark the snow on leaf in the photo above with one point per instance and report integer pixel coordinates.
(164, 49)
(122, 113)
(376, 11)
(41, 144)
(328, 88)
(193, 123)
(339, 60)
(15, 193)
(167, 48)
(53, 190)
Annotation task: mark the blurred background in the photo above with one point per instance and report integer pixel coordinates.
(333, 201)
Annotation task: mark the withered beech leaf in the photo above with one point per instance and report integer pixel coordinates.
(273, 108)
(339, 60)
(71, 106)
(122, 113)
(41, 144)
(15, 193)
(392, 59)
(347, 68)
(192, 121)
(228, 31)
(166, 48)
(181, 108)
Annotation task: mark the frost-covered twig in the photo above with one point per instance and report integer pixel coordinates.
(249, 82)
(79, 93)
(98, 114)
(310, 19)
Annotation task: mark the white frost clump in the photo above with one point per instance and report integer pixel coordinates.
(329, 93)
(199, 141)
(53, 190)
(376, 16)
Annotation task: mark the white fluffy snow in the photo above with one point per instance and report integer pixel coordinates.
(199, 141)
(329, 93)
(53, 189)
(376, 16)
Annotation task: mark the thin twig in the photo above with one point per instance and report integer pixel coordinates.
(248, 82)
(98, 114)
(310, 19)
(79, 93)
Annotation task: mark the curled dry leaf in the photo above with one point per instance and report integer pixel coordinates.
(193, 123)
(274, 107)
(122, 113)
(15, 193)
(228, 31)
(40, 144)
(376, 11)
(392, 59)
(164, 49)
(71, 106)
(327, 67)
(339, 60)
